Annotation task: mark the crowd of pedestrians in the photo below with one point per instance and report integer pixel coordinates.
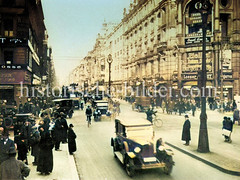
(38, 137)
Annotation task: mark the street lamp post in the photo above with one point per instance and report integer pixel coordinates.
(204, 7)
(222, 100)
(109, 60)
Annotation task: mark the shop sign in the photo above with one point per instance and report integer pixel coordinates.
(13, 41)
(227, 76)
(11, 66)
(192, 76)
(195, 40)
(15, 77)
(193, 62)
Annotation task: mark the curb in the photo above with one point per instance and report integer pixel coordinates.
(74, 170)
(235, 173)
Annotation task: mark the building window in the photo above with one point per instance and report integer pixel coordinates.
(159, 15)
(224, 24)
(152, 20)
(8, 57)
(102, 67)
(8, 27)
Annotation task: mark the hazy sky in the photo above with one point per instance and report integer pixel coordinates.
(73, 26)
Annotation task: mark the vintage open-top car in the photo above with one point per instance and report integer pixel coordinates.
(66, 106)
(134, 146)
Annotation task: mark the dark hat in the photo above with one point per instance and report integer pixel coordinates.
(186, 116)
(12, 150)
(71, 125)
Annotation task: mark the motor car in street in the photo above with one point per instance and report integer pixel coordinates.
(66, 106)
(134, 146)
(102, 106)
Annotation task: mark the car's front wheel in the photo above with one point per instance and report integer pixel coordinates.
(168, 166)
(129, 168)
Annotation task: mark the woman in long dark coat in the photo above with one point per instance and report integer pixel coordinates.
(186, 131)
(22, 148)
(45, 161)
(71, 140)
(34, 142)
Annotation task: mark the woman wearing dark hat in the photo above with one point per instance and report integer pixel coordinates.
(71, 140)
(186, 131)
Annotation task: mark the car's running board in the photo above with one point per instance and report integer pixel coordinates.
(119, 156)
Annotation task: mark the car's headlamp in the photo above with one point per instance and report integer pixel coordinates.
(161, 148)
(137, 149)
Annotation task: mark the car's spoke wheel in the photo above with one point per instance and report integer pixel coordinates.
(129, 168)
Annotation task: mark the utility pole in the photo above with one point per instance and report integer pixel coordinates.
(109, 60)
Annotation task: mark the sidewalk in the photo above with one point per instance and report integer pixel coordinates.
(64, 166)
(222, 156)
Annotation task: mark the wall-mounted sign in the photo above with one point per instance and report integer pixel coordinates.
(193, 62)
(194, 76)
(15, 66)
(13, 41)
(194, 40)
(15, 77)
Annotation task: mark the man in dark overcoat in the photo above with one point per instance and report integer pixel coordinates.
(58, 132)
(5, 144)
(186, 131)
(71, 140)
(193, 107)
(64, 127)
(12, 168)
(26, 132)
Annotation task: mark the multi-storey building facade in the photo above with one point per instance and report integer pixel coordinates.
(160, 42)
(150, 42)
(222, 44)
(23, 48)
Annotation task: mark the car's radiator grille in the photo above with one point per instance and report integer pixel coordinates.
(147, 151)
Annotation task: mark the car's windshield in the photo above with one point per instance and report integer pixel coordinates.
(140, 133)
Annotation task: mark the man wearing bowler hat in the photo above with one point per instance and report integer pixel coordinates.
(186, 131)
